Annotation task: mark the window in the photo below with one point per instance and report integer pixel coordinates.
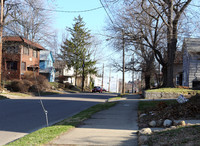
(35, 54)
(23, 66)
(11, 65)
(12, 49)
(25, 50)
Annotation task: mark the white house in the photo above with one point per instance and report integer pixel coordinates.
(191, 62)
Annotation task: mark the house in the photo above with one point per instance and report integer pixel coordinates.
(46, 65)
(62, 71)
(191, 62)
(19, 55)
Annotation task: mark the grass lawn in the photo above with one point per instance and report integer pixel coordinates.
(148, 105)
(45, 135)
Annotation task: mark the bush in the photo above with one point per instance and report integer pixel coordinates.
(29, 75)
(61, 79)
(67, 85)
(42, 82)
(20, 86)
(30, 83)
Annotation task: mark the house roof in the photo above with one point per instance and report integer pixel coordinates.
(192, 45)
(44, 55)
(20, 39)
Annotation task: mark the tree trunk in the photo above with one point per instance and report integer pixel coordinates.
(170, 46)
(83, 76)
(147, 81)
(170, 64)
(164, 78)
(76, 78)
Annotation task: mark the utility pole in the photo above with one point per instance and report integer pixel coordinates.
(133, 73)
(1, 37)
(123, 63)
(83, 73)
(102, 76)
(109, 80)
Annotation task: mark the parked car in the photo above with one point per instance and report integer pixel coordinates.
(104, 90)
(97, 89)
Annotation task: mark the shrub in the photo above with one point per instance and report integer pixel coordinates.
(20, 86)
(67, 85)
(61, 79)
(42, 82)
(30, 83)
(29, 75)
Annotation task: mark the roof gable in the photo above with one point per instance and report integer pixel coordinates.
(20, 39)
(192, 45)
(46, 55)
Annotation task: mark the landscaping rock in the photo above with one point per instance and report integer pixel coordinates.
(173, 127)
(159, 122)
(145, 131)
(181, 123)
(142, 139)
(167, 123)
(152, 123)
(142, 115)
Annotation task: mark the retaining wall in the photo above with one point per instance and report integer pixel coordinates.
(163, 95)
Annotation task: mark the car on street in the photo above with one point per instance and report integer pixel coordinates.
(97, 89)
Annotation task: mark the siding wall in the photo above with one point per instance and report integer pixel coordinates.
(194, 68)
(185, 68)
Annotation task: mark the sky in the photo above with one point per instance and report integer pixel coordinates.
(95, 20)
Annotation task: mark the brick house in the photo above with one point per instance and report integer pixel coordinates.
(19, 55)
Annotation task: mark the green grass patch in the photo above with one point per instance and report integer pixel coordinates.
(55, 84)
(148, 105)
(175, 90)
(47, 134)
(16, 94)
(114, 98)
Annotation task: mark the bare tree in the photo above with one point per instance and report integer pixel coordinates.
(144, 34)
(156, 23)
(170, 12)
(29, 19)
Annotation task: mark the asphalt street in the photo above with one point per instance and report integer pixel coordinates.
(19, 117)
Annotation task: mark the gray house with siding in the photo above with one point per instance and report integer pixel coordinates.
(191, 62)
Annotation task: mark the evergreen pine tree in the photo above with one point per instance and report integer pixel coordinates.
(75, 51)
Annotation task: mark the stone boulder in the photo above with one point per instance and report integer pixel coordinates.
(181, 123)
(145, 131)
(167, 123)
(152, 123)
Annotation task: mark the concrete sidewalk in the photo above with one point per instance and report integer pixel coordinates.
(116, 126)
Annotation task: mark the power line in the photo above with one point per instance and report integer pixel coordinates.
(106, 12)
(63, 11)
